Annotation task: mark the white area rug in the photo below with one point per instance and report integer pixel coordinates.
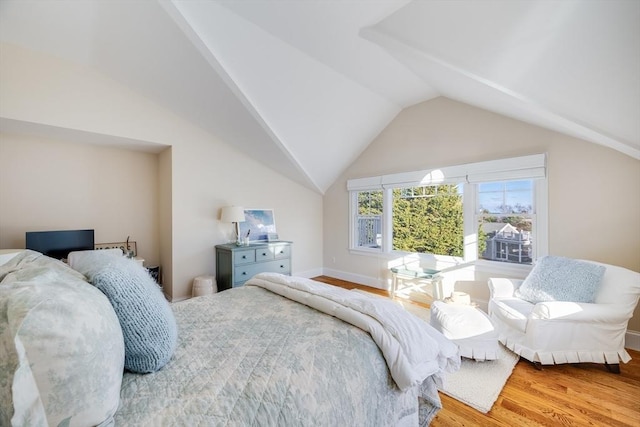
(477, 384)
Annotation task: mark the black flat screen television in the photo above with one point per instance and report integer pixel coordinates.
(58, 244)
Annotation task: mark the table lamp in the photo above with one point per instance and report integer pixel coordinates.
(234, 214)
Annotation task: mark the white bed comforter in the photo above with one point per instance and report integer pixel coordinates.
(414, 351)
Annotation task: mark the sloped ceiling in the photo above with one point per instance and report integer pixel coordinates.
(304, 86)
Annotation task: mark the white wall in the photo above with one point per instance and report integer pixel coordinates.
(47, 184)
(197, 176)
(594, 192)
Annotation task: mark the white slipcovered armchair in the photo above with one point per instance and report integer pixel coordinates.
(560, 331)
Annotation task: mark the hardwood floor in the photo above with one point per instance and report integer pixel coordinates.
(559, 395)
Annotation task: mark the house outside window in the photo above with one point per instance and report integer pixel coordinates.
(491, 211)
(506, 216)
(369, 219)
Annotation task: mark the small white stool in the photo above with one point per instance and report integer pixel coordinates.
(468, 327)
(204, 285)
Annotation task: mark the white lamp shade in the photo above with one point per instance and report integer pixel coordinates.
(232, 214)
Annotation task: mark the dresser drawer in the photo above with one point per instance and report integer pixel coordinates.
(264, 254)
(282, 266)
(281, 251)
(273, 252)
(246, 272)
(244, 257)
(243, 273)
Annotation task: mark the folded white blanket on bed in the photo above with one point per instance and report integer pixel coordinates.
(413, 350)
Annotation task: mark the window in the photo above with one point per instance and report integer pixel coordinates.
(493, 211)
(428, 219)
(369, 219)
(505, 216)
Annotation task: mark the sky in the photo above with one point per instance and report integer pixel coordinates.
(493, 195)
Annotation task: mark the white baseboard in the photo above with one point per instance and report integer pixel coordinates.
(356, 278)
(632, 340)
(308, 273)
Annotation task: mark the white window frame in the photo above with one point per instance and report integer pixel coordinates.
(511, 169)
(353, 229)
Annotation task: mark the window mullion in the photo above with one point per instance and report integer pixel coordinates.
(470, 222)
(387, 220)
(541, 219)
(353, 214)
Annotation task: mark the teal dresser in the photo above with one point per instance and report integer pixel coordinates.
(237, 264)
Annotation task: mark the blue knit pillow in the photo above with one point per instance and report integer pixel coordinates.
(148, 324)
(556, 278)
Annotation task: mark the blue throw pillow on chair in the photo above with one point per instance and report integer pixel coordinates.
(556, 278)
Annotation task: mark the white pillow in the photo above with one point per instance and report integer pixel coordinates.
(61, 347)
(76, 257)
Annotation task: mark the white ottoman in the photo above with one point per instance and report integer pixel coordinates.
(204, 285)
(470, 328)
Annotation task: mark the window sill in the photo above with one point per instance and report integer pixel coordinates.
(490, 267)
(503, 268)
(366, 252)
(399, 257)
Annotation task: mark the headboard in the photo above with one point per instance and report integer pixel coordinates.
(58, 244)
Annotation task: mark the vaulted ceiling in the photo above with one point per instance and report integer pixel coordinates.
(305, 86)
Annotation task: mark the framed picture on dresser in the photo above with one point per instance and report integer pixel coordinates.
(258, 224)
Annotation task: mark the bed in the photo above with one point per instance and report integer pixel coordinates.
(279, 351)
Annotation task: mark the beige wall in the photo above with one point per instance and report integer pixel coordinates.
(165, 218)
(47, 184)
(209, 175)
(594, 192)
(196, 177)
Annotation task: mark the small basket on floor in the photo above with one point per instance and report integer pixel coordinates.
(204, 285)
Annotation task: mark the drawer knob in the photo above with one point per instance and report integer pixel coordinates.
(244, 273)
(264, 254)
(244, 257)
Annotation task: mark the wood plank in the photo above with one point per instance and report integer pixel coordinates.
(593, 394)
(562, 395)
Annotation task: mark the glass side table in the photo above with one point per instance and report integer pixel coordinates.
(428, 274)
